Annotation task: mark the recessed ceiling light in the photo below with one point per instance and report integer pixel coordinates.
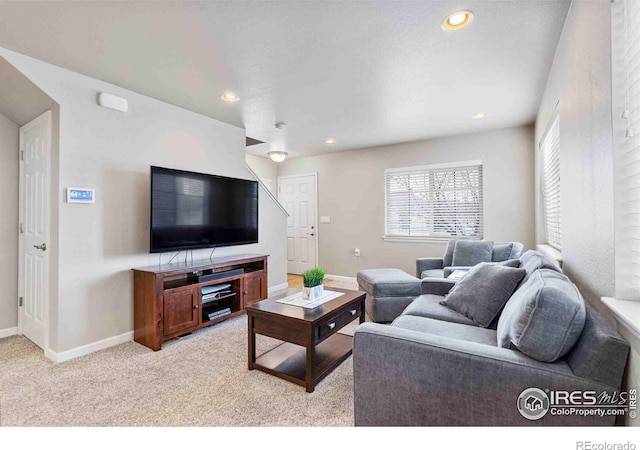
(330, 141)
(481, 116)
(457, 20)
(230, 97)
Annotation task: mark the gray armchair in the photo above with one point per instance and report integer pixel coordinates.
(444, 266)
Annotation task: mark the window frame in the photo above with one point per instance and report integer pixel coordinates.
(555, 118)
(625, 112)
(427, 168)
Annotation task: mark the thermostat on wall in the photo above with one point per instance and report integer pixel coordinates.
(81, 195)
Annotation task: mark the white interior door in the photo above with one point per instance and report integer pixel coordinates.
(35, 155)
(299, 196)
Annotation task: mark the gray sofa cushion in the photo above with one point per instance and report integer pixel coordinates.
(482, 293)
(470, 253)
(432, 273)
(533, 260)
(447, 329)
(501, 251)
(544, 318)
(448, 253)
(388, 283)
(506, 250)
(428, 305)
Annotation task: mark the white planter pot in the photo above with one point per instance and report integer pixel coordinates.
(311, 293)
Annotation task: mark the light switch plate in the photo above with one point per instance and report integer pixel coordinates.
(325, 219)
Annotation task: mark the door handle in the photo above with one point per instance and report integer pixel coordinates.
(42, 247)
(311, 234)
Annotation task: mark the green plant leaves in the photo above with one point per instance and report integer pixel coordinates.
(313, 277)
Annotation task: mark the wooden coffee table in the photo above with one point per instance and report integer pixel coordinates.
(313, 347)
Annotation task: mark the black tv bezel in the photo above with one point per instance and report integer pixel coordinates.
(197, 247)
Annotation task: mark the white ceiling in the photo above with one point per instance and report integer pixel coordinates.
(364, 73)
(20, 100)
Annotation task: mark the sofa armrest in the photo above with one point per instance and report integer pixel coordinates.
(404, 377)
(437, 286)
(423, 264)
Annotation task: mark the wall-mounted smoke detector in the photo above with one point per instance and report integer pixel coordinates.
(113, 102)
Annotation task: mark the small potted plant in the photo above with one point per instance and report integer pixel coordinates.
(312, 280)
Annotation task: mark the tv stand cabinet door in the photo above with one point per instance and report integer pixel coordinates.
(181, 310)
(255, 288)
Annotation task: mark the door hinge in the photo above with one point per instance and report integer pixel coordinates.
(21, 155)
(21, 228)
(20, 302)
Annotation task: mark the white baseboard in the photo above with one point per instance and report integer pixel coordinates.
(277, 288)
(89, 348)
(8, 332)
(341, 278)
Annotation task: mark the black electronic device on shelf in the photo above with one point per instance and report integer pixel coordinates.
(220, 275)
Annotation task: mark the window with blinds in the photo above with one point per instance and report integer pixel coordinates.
(550, 183)
(434, 201)
(625, 45)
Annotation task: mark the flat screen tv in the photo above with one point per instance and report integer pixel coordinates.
(192, 210)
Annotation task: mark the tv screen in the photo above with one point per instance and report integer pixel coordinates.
(193, 210)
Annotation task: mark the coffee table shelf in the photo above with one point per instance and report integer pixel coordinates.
(290, 359)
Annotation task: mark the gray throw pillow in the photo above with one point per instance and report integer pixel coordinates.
(481, 294)
(470, 253)
(544, 318)
(501, 251)
(448, 253)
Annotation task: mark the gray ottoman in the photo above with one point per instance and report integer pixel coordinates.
(389, 292)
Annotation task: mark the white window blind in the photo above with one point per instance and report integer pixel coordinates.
(550, 171)
(626, 115)
(434, 201)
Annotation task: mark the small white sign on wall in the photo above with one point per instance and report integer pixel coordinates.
(81, 195)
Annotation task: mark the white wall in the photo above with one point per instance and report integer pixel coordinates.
(111, 152)
(351, 192)
(9, 181)
(580, 84)
(266, 170)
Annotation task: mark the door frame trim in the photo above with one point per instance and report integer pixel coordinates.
(317, 205)
(46, 117)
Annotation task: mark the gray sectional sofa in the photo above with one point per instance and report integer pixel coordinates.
(435, 366)
(466, 255)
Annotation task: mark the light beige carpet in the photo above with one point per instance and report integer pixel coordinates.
(198, 380)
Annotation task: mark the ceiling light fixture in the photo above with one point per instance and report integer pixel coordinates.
(230, 97)
(277, 156)
(330, 141)
(457, 20)
(480, 116)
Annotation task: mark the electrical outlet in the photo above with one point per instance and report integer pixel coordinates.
(357, 252)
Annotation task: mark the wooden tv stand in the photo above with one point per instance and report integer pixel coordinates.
(167, 299)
